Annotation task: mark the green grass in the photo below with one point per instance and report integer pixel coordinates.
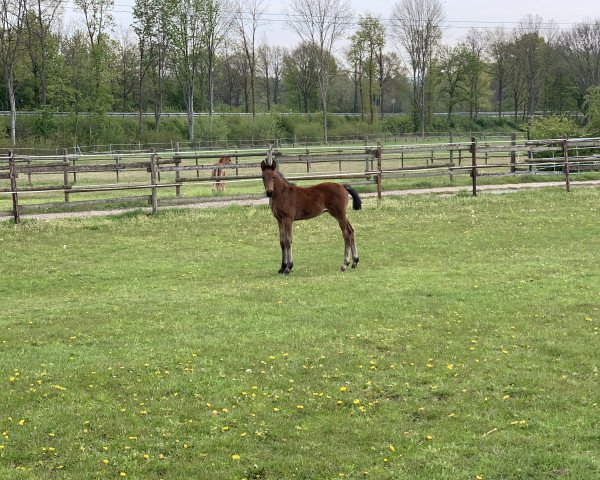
(465, 344)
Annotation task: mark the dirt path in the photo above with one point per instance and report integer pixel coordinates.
(264, 201)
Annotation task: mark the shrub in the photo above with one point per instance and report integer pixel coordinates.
(397, 125)
(213, 130)
(592, 106)
(553, 127)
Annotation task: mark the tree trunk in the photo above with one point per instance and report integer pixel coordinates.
(190, 109)
(211, 87)
(381, 82)
(13, 105)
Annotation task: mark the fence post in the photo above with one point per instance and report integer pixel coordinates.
(565, 148)
(153, 178)
(177, 160)
(451, 157)
(307, 161)
(474, 164)
(117, 167)
(66, 175)
(379, 168)
(12, 172)
(513, 152)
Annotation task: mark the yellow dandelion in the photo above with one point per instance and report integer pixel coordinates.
(235, 457)
(343, 389)
(22, 422)
(356, 401)
(105, 461)
(300, 407)
(392, 448)
(122, 474)
(429, 437)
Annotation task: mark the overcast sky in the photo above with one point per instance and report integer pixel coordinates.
(460, 15)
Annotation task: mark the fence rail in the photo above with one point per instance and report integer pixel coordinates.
(372, 164)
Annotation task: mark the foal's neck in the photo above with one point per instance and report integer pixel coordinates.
(280, 182)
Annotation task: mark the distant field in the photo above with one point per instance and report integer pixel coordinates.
(464, 346)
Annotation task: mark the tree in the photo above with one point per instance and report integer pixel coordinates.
(452, 66)
(366, 50)
(184, 33)
(41, 16)
(248, 18)
(300, 73)
(498, 52)
(592, 108)
(475, 42)
(231, 74)
(215, 20)
(97, 22)
(321, 23)
(355, 54)
(145, 18)
(12, 14)
(393, 81)
(416, 25)
(581, 49)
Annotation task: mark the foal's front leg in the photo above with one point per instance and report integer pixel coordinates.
(283, 247)
(286, 247)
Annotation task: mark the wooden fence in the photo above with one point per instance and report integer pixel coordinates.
(27, 176)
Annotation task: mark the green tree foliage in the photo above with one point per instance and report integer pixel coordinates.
(365, 55)
(553, 126)
(592, 108)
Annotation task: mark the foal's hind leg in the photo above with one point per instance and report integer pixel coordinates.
(347, 232)
(353, 246)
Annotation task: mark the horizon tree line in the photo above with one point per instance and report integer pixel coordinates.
(210, 56)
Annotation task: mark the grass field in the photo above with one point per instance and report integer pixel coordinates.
(464, 346)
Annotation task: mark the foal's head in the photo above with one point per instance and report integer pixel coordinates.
(268, 176)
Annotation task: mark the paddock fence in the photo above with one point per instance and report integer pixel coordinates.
(74, 181)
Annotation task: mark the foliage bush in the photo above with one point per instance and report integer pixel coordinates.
(592, 107)
(57, 132)
(397, 125)
(309, 132)
(213, 130)
(553, 127)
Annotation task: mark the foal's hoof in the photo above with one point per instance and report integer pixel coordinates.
(355, 262)
(343, 268)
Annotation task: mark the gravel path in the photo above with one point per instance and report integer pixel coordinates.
(264, 201)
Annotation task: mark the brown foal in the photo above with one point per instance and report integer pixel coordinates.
(219, 185)
(289, 203)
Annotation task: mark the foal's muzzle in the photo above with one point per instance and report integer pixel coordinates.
(269, 193)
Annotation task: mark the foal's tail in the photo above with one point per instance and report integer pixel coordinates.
(356, 201)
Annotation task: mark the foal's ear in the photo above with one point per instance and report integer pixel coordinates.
(264, 165)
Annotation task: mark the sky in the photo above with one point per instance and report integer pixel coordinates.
(460, 15)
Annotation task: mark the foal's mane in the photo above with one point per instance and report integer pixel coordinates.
(282, 176)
